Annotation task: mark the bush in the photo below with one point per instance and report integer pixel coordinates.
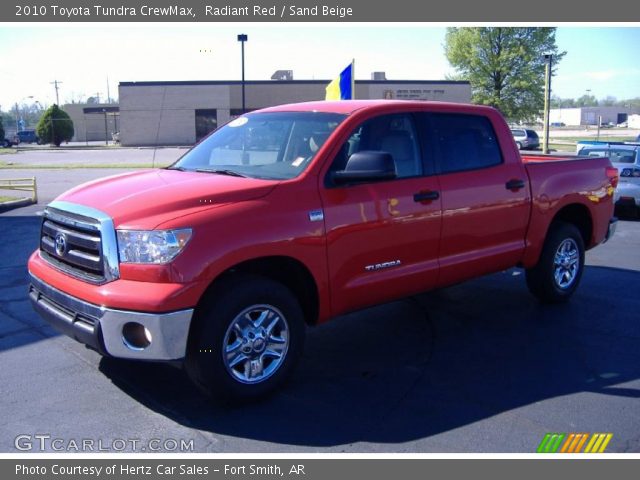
(55, 126)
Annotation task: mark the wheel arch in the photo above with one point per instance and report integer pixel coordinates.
(578, 215)
(286, 270)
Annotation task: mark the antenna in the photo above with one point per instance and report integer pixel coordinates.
(56, 84)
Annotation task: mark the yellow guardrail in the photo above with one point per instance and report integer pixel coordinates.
(21, 185)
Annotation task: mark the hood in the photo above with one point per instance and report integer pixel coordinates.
(143, 200)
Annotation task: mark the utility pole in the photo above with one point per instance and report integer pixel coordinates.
(56, 84)
(108, 93)
(243, 38)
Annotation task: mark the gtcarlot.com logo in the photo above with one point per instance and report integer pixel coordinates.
(574, 442)
(44, 442)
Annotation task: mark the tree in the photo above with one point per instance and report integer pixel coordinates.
(1, 132)
(587, 101)
(55, 126)
(505, 65)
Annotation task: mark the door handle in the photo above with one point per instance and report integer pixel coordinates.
(514, 184)
(427, 196)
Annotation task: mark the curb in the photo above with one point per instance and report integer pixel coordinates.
(20, 202)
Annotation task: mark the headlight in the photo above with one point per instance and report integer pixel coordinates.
(151, 246)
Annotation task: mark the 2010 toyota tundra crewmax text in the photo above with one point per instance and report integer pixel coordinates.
(288, 216)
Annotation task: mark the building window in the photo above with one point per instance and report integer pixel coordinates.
(206, 122)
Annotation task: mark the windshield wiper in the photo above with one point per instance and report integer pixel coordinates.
(182, 169)
(221, 171)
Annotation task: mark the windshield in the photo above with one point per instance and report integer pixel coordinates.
(616, 156)
(277, 145)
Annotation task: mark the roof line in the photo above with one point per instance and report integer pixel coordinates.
(287, 82)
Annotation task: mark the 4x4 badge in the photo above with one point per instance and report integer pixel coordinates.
(316, 215)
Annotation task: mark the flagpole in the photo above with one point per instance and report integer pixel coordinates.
(353, 79)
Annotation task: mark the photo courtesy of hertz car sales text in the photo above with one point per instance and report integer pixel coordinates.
(292, 215)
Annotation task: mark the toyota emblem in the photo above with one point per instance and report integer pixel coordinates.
(61, 244)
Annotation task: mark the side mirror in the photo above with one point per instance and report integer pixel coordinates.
(366, 166)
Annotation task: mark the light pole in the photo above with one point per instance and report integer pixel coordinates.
(548, 61)
(18, 129)
(243, 38)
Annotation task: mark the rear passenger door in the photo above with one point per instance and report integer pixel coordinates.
(485, 197)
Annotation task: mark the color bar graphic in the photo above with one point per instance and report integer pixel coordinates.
(574, 442)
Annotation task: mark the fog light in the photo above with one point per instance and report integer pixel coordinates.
(136, 336)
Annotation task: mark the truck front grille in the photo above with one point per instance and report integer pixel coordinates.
(74, 244)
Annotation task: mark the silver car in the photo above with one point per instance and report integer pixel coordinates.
(525, 138)
(626, 158)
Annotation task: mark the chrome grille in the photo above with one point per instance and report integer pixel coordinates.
(74, 242)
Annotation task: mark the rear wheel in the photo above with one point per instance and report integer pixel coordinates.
(246, 338)
(559, 269)
(519, 145)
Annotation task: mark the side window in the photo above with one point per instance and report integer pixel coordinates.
(465, 142)
(395, 134)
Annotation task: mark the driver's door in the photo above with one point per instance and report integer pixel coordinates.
(383, 237)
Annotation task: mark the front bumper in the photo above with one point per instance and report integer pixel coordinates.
(627, 194)
(108, 330)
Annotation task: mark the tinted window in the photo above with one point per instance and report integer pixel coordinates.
(394, 134)
(465, 142)
(532, 134)
(518, 133)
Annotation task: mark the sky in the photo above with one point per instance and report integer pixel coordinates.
(602, 60)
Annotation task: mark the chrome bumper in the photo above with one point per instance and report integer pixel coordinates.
(105, 329)
(613, 223)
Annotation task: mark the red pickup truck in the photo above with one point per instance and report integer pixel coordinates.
(288, 216)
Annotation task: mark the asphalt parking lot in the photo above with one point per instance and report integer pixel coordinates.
(480, 367)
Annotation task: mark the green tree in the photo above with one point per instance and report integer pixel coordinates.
(505, 65)
(55, 126)
(1, 132)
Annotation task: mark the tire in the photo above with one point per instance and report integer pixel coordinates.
(519, 145)
(559, 270)
(6, 144)
(260, 323)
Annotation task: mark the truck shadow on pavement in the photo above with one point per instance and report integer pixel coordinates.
(412, 369)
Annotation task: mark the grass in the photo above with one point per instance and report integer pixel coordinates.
(73, 166)
(7, 151)
(602, 139)
(5, 198)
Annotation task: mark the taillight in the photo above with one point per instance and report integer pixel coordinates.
(612, 175)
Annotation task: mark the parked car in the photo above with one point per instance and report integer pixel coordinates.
(626, 158)
(11, 141)
(220, 261)
(28, 136)
(623, 125)
(525, 139)
(558, 124)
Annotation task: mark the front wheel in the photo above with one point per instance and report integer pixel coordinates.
(559, 269)
(246, 338)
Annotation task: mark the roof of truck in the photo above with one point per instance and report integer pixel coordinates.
(350, 106)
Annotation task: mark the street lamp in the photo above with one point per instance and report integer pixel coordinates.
(18, 129)
(548, 61)
(243, 38)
